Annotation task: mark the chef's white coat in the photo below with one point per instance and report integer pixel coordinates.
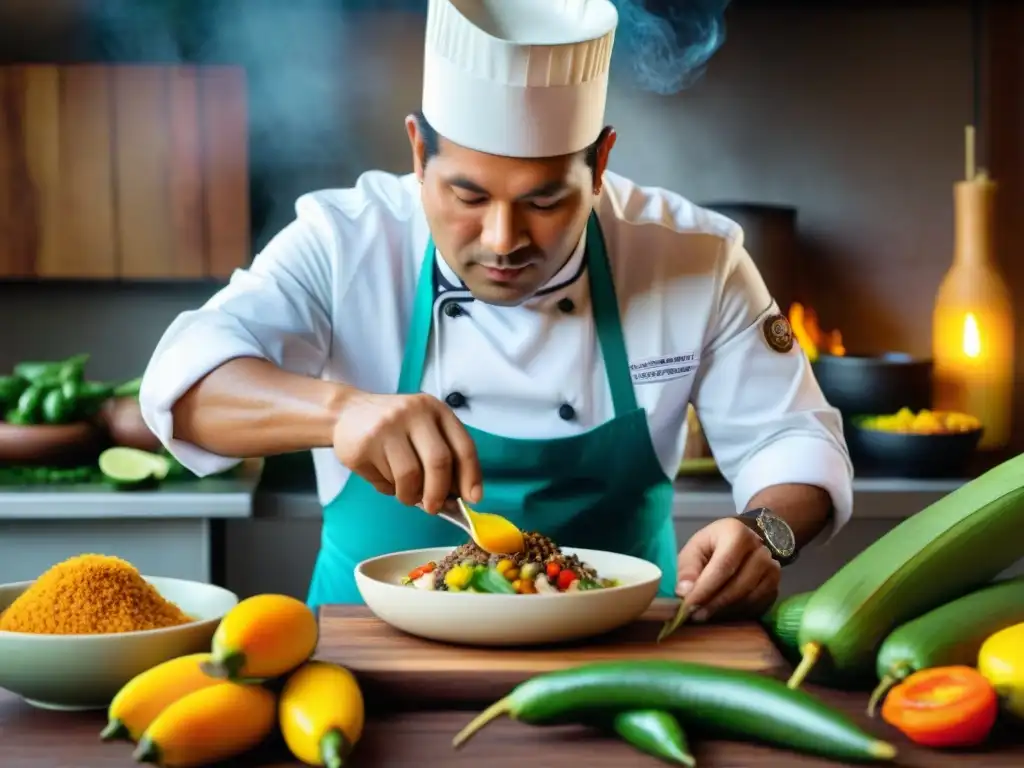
(331, 297)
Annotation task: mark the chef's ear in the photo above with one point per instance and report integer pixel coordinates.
(603, 148)
(418, 144)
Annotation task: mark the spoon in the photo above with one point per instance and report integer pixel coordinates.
(492, 533)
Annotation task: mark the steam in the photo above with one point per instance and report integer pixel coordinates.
(661, 45)
(667, 50)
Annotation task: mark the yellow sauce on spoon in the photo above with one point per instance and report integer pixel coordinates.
(494, 534)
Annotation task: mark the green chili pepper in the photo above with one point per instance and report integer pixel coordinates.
(732, 702)
(11, 388)
(655, 732)
(72, 389)
(91, 396)
(30, 404)
(64, 370)
(73, 369)
(128, 388)
(670, 626)
(55, 407)
(36, 371)
(14, 416)
(489, 580)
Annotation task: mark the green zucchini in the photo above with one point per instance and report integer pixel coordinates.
(951, 548)
(950, 635)
(729, 702)
(782, 623)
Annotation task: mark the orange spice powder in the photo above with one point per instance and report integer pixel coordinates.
(90, 595)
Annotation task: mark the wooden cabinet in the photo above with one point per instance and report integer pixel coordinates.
(123, 172)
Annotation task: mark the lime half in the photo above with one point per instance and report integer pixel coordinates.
(130, 465)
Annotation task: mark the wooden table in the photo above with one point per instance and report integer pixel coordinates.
(32, 738)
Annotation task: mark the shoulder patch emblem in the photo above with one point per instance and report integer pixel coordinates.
(778, 332)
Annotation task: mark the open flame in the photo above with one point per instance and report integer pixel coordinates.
(812, 339)
(971, 343)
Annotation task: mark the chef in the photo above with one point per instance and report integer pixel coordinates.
(514, 324)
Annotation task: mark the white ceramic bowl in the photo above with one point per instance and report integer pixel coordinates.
(467, 618)
(72, 672)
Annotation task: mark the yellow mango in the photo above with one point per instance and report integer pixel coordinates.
(263, 636)
(209, 726)
(146, 695)
(321, 714)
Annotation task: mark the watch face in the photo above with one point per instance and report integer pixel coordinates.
(778, 533)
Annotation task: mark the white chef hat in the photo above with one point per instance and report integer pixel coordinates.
(519, 78)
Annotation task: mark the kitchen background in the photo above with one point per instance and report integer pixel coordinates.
(852, 113)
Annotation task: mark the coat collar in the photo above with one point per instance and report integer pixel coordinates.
(570, 272)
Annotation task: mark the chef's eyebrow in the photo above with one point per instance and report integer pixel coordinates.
(467, 184)
(547, 189)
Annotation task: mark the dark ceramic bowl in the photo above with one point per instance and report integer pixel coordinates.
(861, 385)
(908, 454)
(122, 418)
(50, 445)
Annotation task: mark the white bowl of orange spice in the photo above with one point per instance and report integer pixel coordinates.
(73, 637)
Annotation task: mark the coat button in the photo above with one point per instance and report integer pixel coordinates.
(452, 309)
(566, 412)
(455, 400)
(566, 305)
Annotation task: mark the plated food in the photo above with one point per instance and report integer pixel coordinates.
(475, 617)
(541, 568)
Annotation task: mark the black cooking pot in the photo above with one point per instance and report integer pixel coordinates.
(874, 385)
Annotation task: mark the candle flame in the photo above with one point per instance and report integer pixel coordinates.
(972, 336)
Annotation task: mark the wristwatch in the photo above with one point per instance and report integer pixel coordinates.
(774, 533)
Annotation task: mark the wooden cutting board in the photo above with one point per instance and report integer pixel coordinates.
(390, 663)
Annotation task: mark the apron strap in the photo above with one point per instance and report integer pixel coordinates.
(605, 311)
(606, 320)
(415, 356)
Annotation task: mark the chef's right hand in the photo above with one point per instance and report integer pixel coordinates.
(408, 446)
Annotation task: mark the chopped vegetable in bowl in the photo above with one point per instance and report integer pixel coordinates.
(541, 568)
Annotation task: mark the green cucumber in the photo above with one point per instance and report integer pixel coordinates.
(950, 635)
(730, 702)
(132, 468)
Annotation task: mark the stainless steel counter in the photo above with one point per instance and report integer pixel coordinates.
(272, 536)
(164, 532)
(695, 499)
(213, 497)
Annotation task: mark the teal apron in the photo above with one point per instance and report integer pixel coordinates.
(603, 489)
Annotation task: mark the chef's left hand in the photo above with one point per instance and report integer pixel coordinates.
(726, 571)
